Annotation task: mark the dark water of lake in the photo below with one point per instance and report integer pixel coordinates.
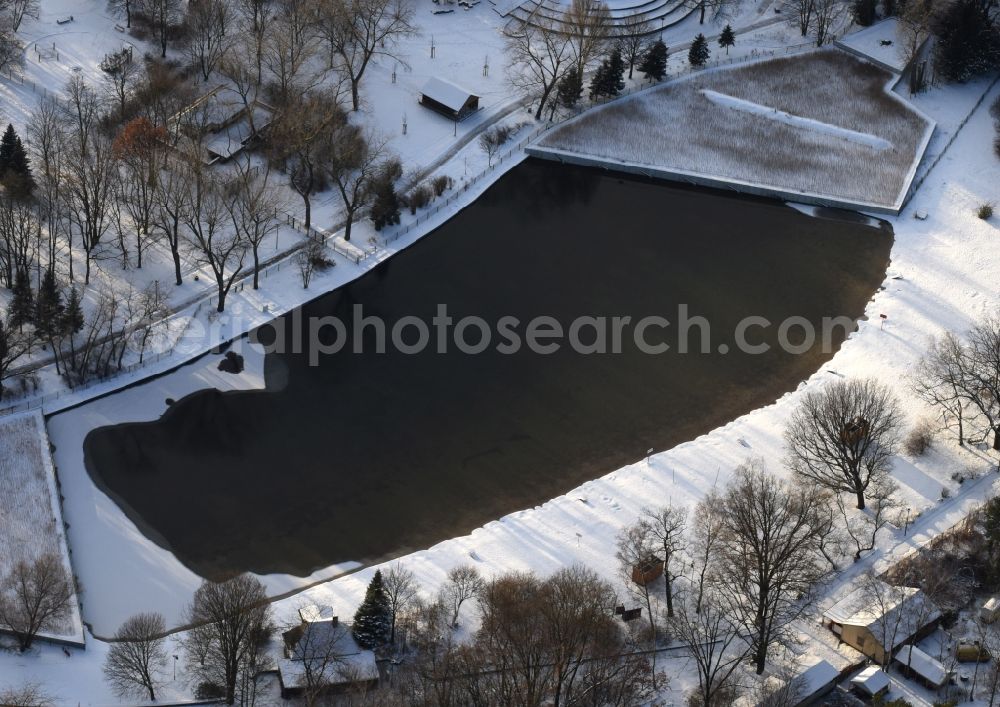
(370, 455)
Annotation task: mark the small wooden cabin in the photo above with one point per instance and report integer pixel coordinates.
(448, 99)
(648, 570)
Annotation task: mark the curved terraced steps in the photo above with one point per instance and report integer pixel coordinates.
(659, 14)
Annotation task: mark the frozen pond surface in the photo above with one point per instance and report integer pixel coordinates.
(368, 456)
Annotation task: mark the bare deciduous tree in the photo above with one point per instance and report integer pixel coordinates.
(863, 528)
(34, 597)
(401, 590)
(706, 529)
(171, 210)
(301, 142)
(355, 161)
(713, 643)
(630, 39)
(137, 656)
(982, 373)
(667, 526)
(208, 33)
(253, 207)
(288, 48)
(163, 16)
(588, 25)
(635, 547)
(30, 695)
(464, 583)
(826, 15)
(232, 622)
(213, 242)
(360, 30)
(938, 380)
(799, 13)
(17, 10)
(768, 556)
(844, 436)
(539, 54)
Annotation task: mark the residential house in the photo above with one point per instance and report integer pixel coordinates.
(877, 621)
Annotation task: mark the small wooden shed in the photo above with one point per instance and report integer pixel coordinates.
(648, 570)
(448, 99)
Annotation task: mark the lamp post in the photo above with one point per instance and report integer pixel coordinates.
(906, 525)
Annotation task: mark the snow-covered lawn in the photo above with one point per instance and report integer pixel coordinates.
(804, 124)
(30, 519)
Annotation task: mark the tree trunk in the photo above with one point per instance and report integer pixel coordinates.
(175, 253)
(350, 222)
(670, 594)
(861, 499)
(308, 221)
(760, 656)
(355, 97)
(256, 268)
(701, 18)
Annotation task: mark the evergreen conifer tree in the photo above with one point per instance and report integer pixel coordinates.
(968, 42)
(863, 12)
(608, 81)
(48, 305)
(569, 89)
(699, 52)
(373, 619)
(22, 306)
(385, 208)
(72, 317)
(7, 143)
(654, 62)
(15, 169)
(727, 38)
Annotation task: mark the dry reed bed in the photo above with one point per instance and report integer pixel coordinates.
(675, 127)
(28, 525)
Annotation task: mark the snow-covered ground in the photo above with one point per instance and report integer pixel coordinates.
(31, 523)
(946, 266)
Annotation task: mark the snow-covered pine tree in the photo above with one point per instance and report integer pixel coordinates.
(727, 38)
(48, 305)
(699, 52)
(968, 42)
(7, 148)
(863, 12)
(373, 618)
(385, 208)
(15, 170)
(22, 306)
(654, 62)
(569, 89)
(608, 81)
(72, 320)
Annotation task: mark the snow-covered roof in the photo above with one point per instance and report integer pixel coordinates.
(899, 609)
(327, 648)
(816, 677)
(316, 612)
(867, 43)
(446, 93)
(872, 680)
(922, 664)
